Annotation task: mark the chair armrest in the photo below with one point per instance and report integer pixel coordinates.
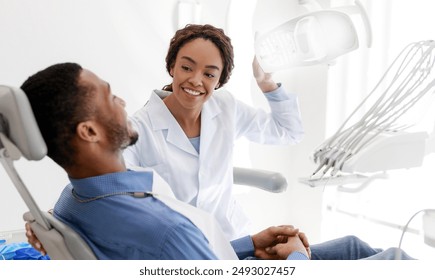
(263, 179)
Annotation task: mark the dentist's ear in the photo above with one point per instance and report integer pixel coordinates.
(87, 131)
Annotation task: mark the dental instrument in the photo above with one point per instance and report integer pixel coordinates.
(380, 139)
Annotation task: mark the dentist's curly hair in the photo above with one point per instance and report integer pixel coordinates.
(59, 104)
(206, 32)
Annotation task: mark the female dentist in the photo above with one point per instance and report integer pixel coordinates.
(187, 130)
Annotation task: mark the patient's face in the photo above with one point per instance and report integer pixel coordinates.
(110, 113)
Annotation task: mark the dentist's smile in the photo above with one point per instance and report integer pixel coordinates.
(192, 92)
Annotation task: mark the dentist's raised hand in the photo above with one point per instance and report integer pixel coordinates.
(264, 80)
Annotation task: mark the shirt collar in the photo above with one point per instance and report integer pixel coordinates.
(127, 181)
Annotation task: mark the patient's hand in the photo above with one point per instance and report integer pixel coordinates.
(268, 238)
(293, 244)
(33, 240)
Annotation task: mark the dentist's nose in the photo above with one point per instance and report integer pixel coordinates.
(196, 79)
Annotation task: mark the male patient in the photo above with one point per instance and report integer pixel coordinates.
(86, 129)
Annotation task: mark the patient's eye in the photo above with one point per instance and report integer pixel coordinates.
(185, 68)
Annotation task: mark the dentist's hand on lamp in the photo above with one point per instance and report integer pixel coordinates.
(264, 80)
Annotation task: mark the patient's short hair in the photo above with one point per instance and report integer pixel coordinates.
(59, 104)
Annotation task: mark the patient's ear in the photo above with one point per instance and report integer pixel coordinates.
(88, 131)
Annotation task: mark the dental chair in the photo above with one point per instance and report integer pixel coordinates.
(20, 136)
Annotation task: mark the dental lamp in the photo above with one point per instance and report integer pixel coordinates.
(314, 38)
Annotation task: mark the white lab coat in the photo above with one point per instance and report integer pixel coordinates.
(205, 180)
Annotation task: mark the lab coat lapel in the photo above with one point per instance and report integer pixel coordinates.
(162, 119)
(209, 125)
(178, 138)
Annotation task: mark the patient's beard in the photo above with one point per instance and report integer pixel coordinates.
(133, 136)
(120, 136)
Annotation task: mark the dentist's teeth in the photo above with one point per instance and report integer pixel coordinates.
(192, 92)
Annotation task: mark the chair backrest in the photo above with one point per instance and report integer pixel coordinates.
(19, 124)
(20, 135)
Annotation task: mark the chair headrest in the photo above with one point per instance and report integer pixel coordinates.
(18, 123)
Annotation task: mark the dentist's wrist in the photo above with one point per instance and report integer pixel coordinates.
(267, 85)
